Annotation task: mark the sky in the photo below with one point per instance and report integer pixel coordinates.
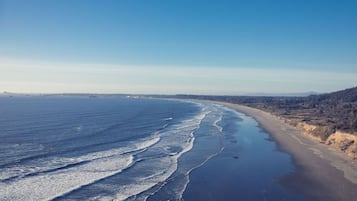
(178, 46)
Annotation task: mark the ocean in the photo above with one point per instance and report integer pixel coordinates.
(110, 148)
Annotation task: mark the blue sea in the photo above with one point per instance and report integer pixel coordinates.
(110, 148)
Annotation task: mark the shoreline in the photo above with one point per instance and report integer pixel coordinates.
(236, 172)
(321, 172)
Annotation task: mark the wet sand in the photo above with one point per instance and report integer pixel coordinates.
(322, 173)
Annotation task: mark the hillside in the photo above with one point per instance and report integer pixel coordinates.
(332, 111)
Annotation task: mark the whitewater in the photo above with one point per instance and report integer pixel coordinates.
(70, 148)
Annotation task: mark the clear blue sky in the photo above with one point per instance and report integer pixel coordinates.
(168, 46)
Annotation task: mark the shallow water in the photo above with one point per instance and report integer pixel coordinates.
(248, 168)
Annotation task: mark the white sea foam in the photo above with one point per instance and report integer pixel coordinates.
(51, 185)
(56, 162)
(180, 135)
(215, 123)
(19, 149)
(148, 182)
(215, 109)
(45, 186)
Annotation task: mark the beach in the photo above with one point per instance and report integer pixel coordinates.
(154, 149)
(321, 172)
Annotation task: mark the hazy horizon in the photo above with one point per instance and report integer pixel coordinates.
(177, 47)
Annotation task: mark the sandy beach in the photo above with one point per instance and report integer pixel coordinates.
(322, 173)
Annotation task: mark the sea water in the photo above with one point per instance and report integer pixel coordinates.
(110, 148)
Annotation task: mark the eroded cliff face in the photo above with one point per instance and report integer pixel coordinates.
(309, 130)
(344, 142)
(341, 141)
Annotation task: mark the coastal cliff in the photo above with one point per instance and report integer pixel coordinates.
(344, 142)
(338, 140)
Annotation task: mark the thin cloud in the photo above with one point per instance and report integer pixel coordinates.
(34, 76)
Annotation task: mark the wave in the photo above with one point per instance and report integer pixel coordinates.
(168, 119)
(145, 183)
(157, 163)
(156, 157)
(191, 125)
(53, 178)
(179, 136)
(52, 185)
(56, 163)
(18, 151)
(215, 123)
(175, 186)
